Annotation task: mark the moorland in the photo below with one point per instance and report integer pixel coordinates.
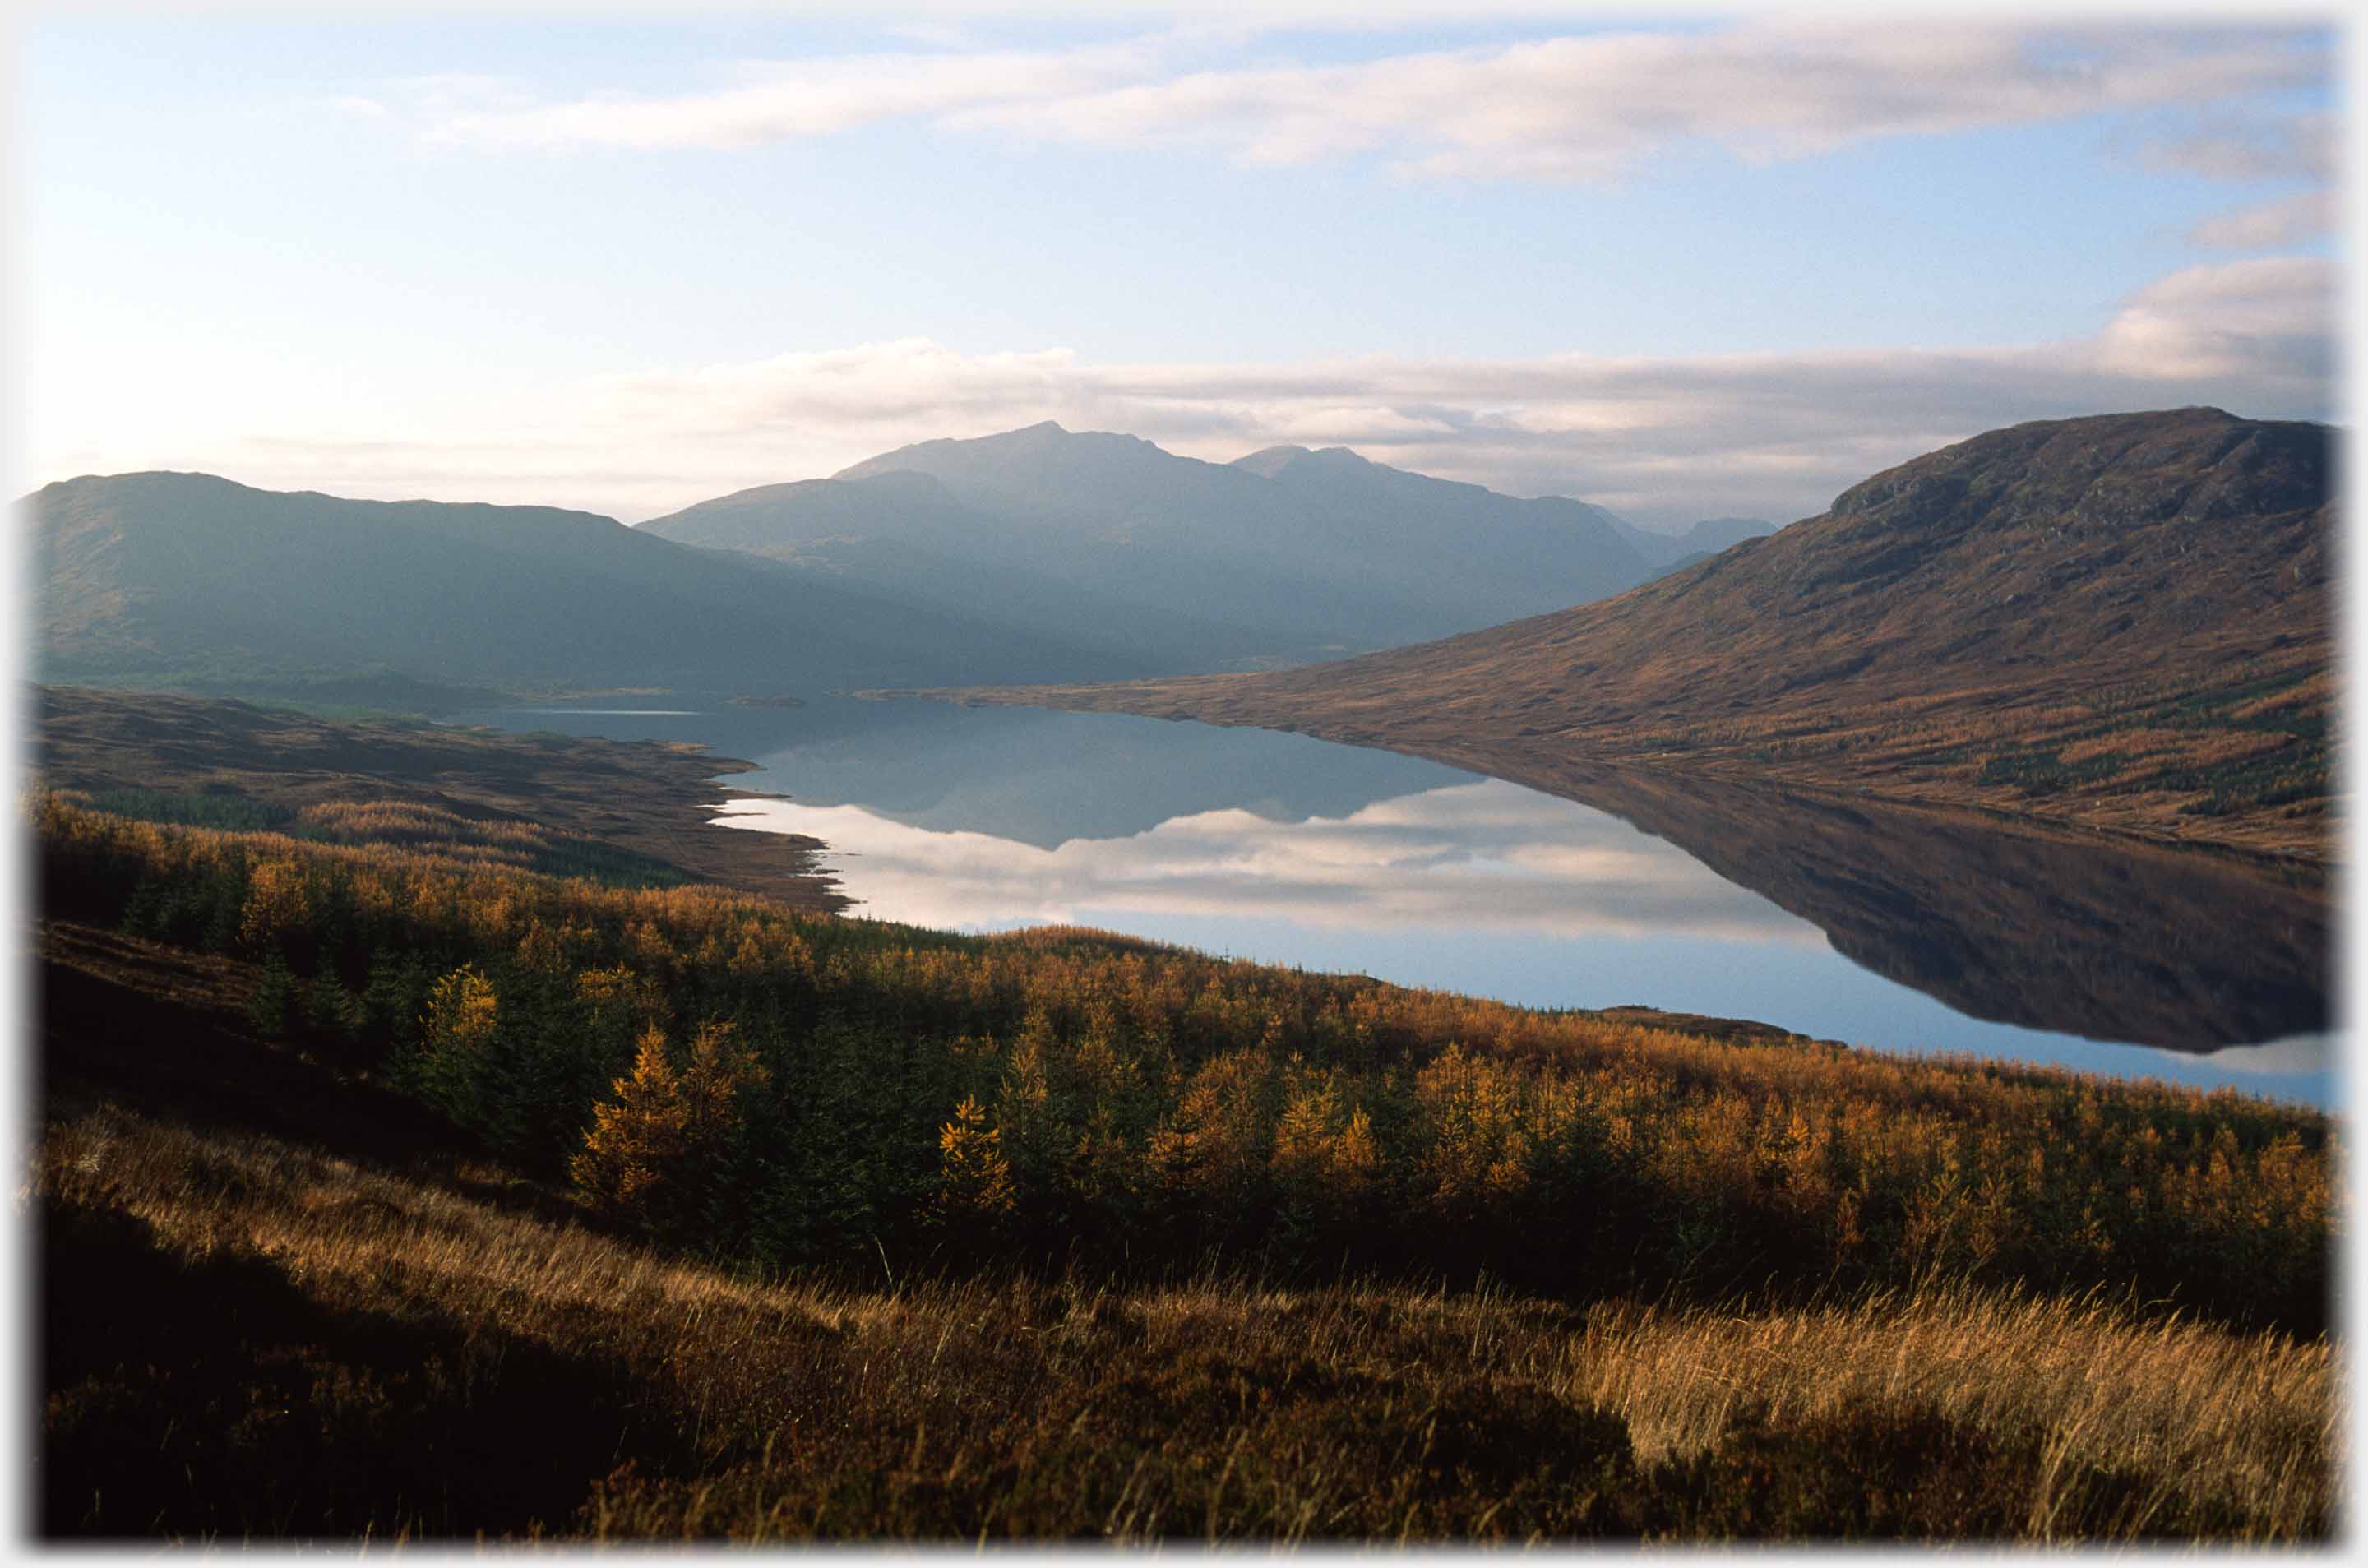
(388, 1191)
(451, 1134)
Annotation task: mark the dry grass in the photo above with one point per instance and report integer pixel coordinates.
(1211, 1409)
(2247, 1417)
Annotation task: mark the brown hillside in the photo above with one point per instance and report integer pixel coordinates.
(2123, 619)
(574, 805)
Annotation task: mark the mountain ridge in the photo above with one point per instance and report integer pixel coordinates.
(2124, 619)
(1209, 565)
(195, 577)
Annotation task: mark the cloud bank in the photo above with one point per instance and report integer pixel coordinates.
(1581, 108)
(1661, 440)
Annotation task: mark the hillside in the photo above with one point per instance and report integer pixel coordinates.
(1283, 556)
(584, 807)
(187, 578)
(2124, 620)
(385, 1190)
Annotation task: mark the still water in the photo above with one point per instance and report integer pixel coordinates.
(1913, 933)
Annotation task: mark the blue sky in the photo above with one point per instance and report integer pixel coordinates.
(1681, 270)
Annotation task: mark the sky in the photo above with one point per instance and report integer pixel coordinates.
(1679, 267)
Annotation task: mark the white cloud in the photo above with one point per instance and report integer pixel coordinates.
(799, 98)
(2271, 318)
(1662, 440)
(1581, 108)
(2270, 225)
(2253, 147)
(1489, 855)
(1585, 107)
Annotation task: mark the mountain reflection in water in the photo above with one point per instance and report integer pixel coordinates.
(2002, 938)
(2050, 928)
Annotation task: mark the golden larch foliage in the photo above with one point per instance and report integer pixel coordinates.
(973, 1178)
(666, 1126)
(637, 1138)
(277, 903)
(462, 1012)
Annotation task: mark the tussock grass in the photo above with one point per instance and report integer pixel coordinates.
(2248, 1417)
(574, 1383)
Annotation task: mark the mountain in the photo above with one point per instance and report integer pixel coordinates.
(1463, 547)
(2124, 619)
(1715, 534)
(904, 532)
(1284, 556)
(1665, 551)
(185, 578)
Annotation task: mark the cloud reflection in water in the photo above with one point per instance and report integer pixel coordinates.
(1487, 856)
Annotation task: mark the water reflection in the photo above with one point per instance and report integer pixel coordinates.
(1486, 856)
(1908, 928)
(2010, 920)
(1023, 774)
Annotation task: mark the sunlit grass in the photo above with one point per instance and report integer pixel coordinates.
(949, 1395)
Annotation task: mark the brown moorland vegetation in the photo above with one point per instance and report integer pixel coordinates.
(395, 1186)
(565, 804)
(246, 1337)
(2124, 621)
(792, 1090)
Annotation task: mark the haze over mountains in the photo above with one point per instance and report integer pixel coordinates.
(2126, 619)
(188, 578)
(1035, 555)
(1282, 556)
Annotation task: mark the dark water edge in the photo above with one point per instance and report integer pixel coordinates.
(1906, 929)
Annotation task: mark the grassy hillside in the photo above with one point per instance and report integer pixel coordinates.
(387, 1190)
(248, 1338)
(390, 1185)
(2123, 622)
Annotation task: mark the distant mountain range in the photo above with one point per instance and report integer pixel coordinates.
(1282, 556)
(184, 579)
(1039, 554)
(2125, 619)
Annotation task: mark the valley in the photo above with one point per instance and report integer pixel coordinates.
(1044, 778)
(2124, 623)
(1651, 991)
